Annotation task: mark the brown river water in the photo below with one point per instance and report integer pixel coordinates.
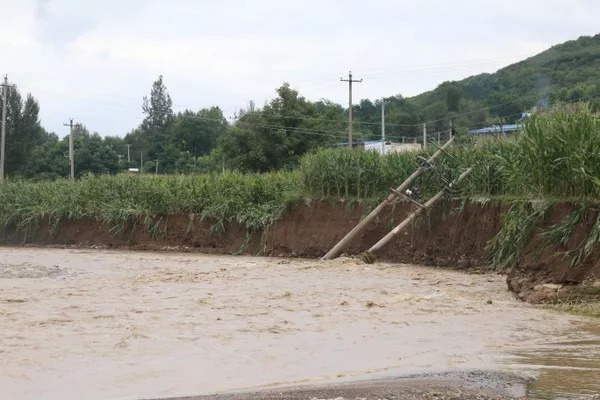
(94, 324)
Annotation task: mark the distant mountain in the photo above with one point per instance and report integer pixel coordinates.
(566, 72)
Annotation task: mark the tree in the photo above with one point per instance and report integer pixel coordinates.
(93, 154)
(154, 140)
(276, 136)
(158, 108)
(198, 132)
(23, 131)
(453, 96)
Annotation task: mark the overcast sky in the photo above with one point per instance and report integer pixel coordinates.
(94, 60)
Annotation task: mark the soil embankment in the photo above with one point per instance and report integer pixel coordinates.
(454, 234)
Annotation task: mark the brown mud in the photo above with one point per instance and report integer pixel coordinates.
(454, 234)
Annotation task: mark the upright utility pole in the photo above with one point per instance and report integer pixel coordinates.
(382, 125)
(141, 162)
(5, 88)
(128, 155)
(450, 130)
(424, 135)
(156, 171)
(71, 149)
(350, 81)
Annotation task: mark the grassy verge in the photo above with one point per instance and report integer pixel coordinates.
(583, 300)
(589, 309)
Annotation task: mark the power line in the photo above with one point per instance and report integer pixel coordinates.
(337, 134)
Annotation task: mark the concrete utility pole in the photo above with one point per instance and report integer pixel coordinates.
(71, 149)
(450, 130)
(128, 156)
(350, 81)
(382, 125)
(424, 135)
(156, 172)
(141, 162)
(5, 89)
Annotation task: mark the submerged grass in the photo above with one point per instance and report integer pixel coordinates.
(585, 309)
(583, 300)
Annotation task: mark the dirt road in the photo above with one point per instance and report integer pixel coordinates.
(126, 325)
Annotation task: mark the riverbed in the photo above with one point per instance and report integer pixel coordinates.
(99, 324)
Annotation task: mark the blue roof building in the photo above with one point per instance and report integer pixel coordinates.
(495, 129)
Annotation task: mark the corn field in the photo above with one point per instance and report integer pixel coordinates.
(251, 200)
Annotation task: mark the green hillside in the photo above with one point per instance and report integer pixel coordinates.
(566, 72)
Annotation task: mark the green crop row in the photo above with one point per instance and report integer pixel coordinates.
(252, 200)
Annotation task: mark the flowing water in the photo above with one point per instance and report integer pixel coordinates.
(126, 325)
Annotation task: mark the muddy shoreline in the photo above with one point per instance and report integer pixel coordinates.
(453, 235)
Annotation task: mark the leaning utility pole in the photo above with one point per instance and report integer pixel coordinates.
(71, 149)
(350, 81)
(5, 87)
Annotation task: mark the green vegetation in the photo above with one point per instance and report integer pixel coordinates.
(517, 226)
(277, 135)
(566, 72)
(557, 156)
(251, 200)
(580, 300)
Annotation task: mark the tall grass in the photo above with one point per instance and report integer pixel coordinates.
(558, 154)
(252, 200)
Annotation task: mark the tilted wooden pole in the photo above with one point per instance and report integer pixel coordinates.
(414, 215)
(365, 221)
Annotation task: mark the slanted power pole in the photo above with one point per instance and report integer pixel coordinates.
(71, 149)
(350, 81)
(5, 89)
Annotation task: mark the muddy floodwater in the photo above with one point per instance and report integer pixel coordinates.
(78, 324)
